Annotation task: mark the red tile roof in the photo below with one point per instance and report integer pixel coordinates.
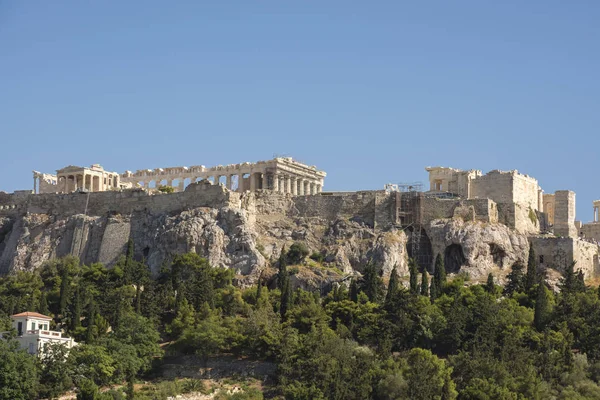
(31, 314)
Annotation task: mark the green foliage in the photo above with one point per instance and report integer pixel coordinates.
(439, 278)
(318, 257)
(297, 253)
(515, 280)
(166, 189)
(372, 284)
(533, 216)
(531, 277)
(87, 390)
(393, 286)
(424, 284)
(428, 377)
(18, 373)
(413, 270)
(490, 287)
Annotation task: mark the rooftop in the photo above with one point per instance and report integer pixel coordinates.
(31, 314)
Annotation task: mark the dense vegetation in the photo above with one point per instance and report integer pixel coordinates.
(434, 339)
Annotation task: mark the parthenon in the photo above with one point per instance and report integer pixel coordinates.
(281, 174)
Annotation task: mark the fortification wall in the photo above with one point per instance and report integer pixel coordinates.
(564, 214)
(591, 231)
(507, 187)
(122, 202)
(432, 208)
(557, 253)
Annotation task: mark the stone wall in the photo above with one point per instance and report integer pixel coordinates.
(591, 231)
(432, 208)
(122, 202)
(549, 206)
(564, 214)
(557, 253)
(507, 187)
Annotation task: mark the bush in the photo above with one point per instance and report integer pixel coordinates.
(297, 253)
(166, 189)
(318, 257)
(87, 390)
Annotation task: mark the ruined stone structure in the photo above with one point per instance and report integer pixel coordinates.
(282, 174)
(73, 178)
(240, 216)
(591, 231)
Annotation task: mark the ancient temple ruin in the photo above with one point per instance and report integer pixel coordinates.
(281, 174)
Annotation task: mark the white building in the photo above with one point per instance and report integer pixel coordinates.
(33, 332)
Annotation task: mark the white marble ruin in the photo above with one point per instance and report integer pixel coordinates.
(281, 174)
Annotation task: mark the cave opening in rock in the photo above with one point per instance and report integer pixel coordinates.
(454, 258)
(419, 248)
(497, 254)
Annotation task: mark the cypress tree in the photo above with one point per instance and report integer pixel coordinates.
(532, 267)
(258, 289)
(516, 279)
(393, 286)
(424, 283)
(569, 280)
(372, 283)
(91, 321)
(65, 286)
(439, 278)
(76, 311)
(354, 291)
(489, 287)
(282, 274)
(414, 278)
(286, 298)
(44, 304)
(542, 306)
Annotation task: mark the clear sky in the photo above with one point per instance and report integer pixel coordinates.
(369, 91)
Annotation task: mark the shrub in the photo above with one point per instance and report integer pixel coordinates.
(318, 257)
(166, 189)
(297, 253)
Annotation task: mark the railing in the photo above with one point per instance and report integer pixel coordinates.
(40, 332)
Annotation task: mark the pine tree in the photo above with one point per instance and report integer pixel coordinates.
(439, 278)
(532, 269)
(414, 278)
(424, 283)
(542, 306)
(490, 287)
(569, 282)
(515, 279)
(92, 329)
(354, 290)
(393, 286)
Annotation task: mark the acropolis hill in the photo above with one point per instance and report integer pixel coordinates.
(240, 216)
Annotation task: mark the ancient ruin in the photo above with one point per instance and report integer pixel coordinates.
(240, 216)
(281, 174)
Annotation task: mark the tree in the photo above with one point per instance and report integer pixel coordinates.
(490, 287)
(76, 311)
(18, 373)
(55, 376)
(428, 377)
(543, 306)
(439, 278)
(166, 189)
(515, 280)
(393, 286)
(297, 253)
(87, 390)
(532, 269)
(282, 274)
(354, 290)
(372, 284)
(286, 298)
(414, 275)
(424, 283)
(65, 290)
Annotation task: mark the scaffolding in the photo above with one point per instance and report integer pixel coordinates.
(408, 217)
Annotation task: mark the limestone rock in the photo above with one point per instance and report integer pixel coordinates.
(477, 248)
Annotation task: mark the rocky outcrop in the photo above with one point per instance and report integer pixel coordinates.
(248, 234)
(477, 248)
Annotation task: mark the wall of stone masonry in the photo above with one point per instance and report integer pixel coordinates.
(122, 202)
(557, 253)
(432, 208)
(591, 231)
(564, 213)
(507, 187)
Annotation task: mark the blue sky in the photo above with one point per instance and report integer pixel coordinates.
(371, 92)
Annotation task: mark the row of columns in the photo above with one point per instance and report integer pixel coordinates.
(255, 181)
(93, 183)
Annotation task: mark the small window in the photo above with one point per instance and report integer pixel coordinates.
(33, 326)
(541, 259)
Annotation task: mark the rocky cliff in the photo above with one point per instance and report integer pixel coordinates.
(247, 231)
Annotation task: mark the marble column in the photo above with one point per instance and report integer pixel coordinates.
(181, 184)
(275, 183)
(228, 181)
(294, 186)
(253, 181)
(301, 187)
